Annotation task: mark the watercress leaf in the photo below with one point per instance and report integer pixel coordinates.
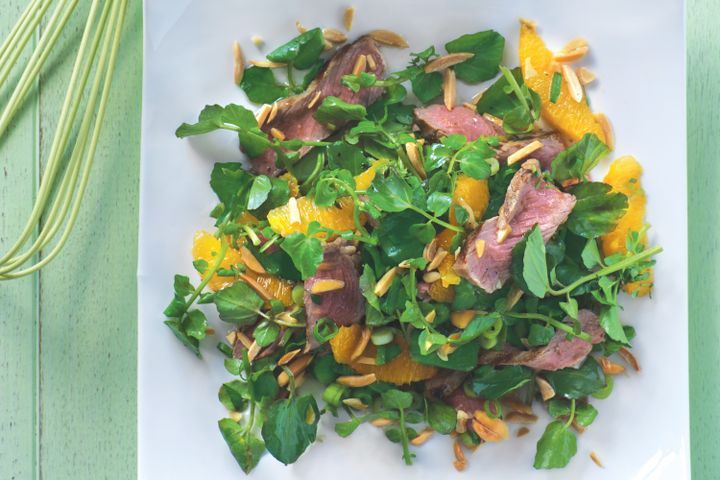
(579, 158)
(441, 417)
(260, 85)
(430, 341)
(395, 238)
(391, 193)
(190, 342)
(570, 307)
(496, 101)
(597, 209)
(426, 86)
(476, 327)
(306, 252)
(259, 191)
(412, 315)
(590, 254)
(345, 429)
(439, 202)
(276, 262)
(610, 322)
(463, 359)
(265, 386)
(473, 159)
(238, 304)
(540, 335)
(245, 447)
(345, 156)
(231, 183)
(266, 333)
(235, 395)
(290, 427)
(336, 111)
(577, 382)
(487, 48)
(454, 141)
(424, 232)
(302, 51)
(517, 120)
(397, 399)
(195, 324)
(556, 447)
(585, 415)
(535, 264)
(367, 286)
(493, 382)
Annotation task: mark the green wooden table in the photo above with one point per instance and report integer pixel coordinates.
(68, 335)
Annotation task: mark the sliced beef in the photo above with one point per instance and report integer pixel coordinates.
(444, 383)
(344, 306)
(559, 353)
(460, 401)
(436, 121)
(529, 201)
(296, 117)
(552, 145)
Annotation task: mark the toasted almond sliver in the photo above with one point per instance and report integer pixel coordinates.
(362, 344)
(348, 17)
(422, 437)
(293, 211)
(585, 76)
(471, 214)
(348, 249)
(546, 390)
(469, 105)
(430, 250)
(297, 366)
(607, 129)
(461, 421)
(355, 403)
(460, 466)
(524, 152)
(594, 458)
(489, 429)
(441, 63)
(253, 350)
(252, 282)
(430, 317)
(462, 318)
(479, 247)
(383, 285)
(334, 35)
(366, 361)
(244, 339)
(238, 63)
(386, 37)
(262, 114)
(324, 285)
(231, 337)
(300, 27)
(446, 350)
(578, 428)
(437, 259)
(521, 418)
(476, 98)
(458, 451)
(413, 155)
(314, 99)
(249, 260)
(609, 367)
(497, 121)
(381, 422)
(360, 64)
(503, 234)
(626, 355)
(273, 112)
(522, 431)
(267, 64)
(574, 87)
(277, 133)
(357, 380)
(371, 62)
(575, 49)
(288, 356)
(431, 277)
(513, 297)
(449, 88)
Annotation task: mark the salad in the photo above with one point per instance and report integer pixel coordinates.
(440, 266)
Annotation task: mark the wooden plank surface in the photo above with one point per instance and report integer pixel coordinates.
(18, 305)
(703, 67)
(68, 409)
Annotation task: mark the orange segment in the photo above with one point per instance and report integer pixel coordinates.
(572, 119)
(336, 218)
(292, 183)
(447, 272)
(474, 193)
(624, 176)
(206, 247)
(364, 179)
(401, 370)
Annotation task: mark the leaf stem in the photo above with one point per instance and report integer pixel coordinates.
(550, 321)
(571, 417)
(404, 438)
(436, 220)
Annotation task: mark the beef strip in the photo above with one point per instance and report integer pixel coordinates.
(296, 117)
(552, 145)
(436, 121)
(559, 353)
(529, 201)
(344, 306)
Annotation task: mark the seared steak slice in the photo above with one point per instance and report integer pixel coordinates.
(552, 145)
(460, 401)
(558, 354)
(344, 306)
(444, 383)
(529, 201)
(436, 121)
(296, 114)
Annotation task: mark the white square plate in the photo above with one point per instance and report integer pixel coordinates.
(638, 56)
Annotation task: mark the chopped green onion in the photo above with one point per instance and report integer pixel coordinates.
(382, 336)
(333, 394)
(555, 87)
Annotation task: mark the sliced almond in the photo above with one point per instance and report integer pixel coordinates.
(362, 344)
(514, 296)
(437, 259)
(252, 282)
(297, 366)
(449, 88)
(575, 49)
(471, 214)
(413, 154)
(257, 40)
(386, 37)
(244, 339)
(249, 260)
(267, 64)
(479, 247)
(300, 27)
(446, 349)
(492, 118)
(348, 249)
(461, 421)
(324, 285)
(262, 114)
(430, 317)
(293, 211)
(524, 152)
(626, 355)
(489, 429)
(288, 356)
(546, 390)
(333, 35)
(381, 422)
(238, 63)
(277, 133)
(371, 62)
(253, 350)
(585, 76)
(366, 361)
(360, 64)
(314, 100)
(578, 428)
(355, 403)
(446, 61)
(476, 98)
(231, 337)
(609, 367)
(596, 459)
(348, 17)
(273, 112)
(521, 418)
(431, 277)
(422, 437)
(502, 234)
(430, 250)
(574, 87)
(461, 318)
(607, 129)
(469, 105)
(522, 431)
(460, 462)
(357, 380)
(383, 285)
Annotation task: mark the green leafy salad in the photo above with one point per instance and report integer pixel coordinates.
(438, 266)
